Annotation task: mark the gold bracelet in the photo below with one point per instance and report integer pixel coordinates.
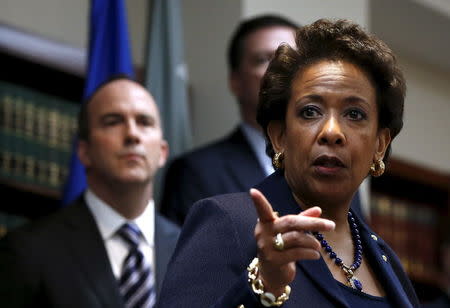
(267, 299)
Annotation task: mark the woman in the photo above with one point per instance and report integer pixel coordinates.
(329, 109)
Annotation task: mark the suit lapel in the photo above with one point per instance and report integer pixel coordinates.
(90, 255)
(279, 194)
(383, 268)
(241, 162)
(166, 236)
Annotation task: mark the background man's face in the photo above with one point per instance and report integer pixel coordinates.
(125, 143)
(259, 48)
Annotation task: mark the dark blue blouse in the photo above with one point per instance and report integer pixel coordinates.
(358, 299)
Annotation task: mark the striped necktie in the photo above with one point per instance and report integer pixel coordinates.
(136, 283)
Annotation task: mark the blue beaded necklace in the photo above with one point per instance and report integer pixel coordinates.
(349, 271)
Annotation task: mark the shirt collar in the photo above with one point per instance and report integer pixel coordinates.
(258, 144)
(109, 221)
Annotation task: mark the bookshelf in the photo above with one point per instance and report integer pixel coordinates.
(410, 210)
(39, 101)
(41, 87)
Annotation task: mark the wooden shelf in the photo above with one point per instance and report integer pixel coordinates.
(418, 174)
(45, 192)
(31, 204)
(431, 278)
(414, 201)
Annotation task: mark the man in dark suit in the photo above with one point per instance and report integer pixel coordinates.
(237, 161)
(78, 257)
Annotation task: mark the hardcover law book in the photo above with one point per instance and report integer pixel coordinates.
(425, 239)
(401, 231)
(36, 131)
(381, 216)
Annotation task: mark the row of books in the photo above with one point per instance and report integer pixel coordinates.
(411, 229)
(36, 135)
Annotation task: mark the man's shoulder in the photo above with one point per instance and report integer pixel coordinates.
(214, 150)
(44, 228)
(165, 224)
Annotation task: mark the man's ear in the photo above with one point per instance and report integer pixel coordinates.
(164, 153)
(275, 131)
(234, 83)
(82, 152)
(383, 141)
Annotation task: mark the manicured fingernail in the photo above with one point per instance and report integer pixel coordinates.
(330, 224)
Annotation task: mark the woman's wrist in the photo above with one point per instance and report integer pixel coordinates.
(275, 291)
(267, 299)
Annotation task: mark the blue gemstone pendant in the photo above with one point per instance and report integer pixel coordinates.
(355, 283)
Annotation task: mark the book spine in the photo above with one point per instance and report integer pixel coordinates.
(36, 133)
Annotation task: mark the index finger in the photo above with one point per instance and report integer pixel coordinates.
(262, 206)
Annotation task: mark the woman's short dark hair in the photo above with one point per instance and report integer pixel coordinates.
(334, 40)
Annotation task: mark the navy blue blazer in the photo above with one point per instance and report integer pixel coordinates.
(61, 261)
(226, 166)
(208, 268)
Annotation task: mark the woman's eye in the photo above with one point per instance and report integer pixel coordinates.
(309, 112)
(356, 114)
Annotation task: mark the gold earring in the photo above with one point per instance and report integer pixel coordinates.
(377, 168)
(277, 160)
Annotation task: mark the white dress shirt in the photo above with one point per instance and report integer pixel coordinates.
(109, 221)
(257, 142)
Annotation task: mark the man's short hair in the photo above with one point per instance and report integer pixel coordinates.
(248, 26)
(83, 120)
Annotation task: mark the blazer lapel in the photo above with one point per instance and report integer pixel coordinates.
(380, 260)
(90, 255)
(318, 272)
(278, 193)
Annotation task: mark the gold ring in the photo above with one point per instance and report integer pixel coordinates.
(278, 242)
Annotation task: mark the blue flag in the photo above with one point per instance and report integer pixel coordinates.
(109, 54)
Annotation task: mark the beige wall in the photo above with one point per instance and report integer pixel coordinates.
(61, 20)
(307, 11)
(425, 138)
(66, 21)
(208, 26)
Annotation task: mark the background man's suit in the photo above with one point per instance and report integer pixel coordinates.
(62, 262)
(226, 166)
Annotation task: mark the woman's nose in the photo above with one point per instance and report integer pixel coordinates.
(331, 132)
